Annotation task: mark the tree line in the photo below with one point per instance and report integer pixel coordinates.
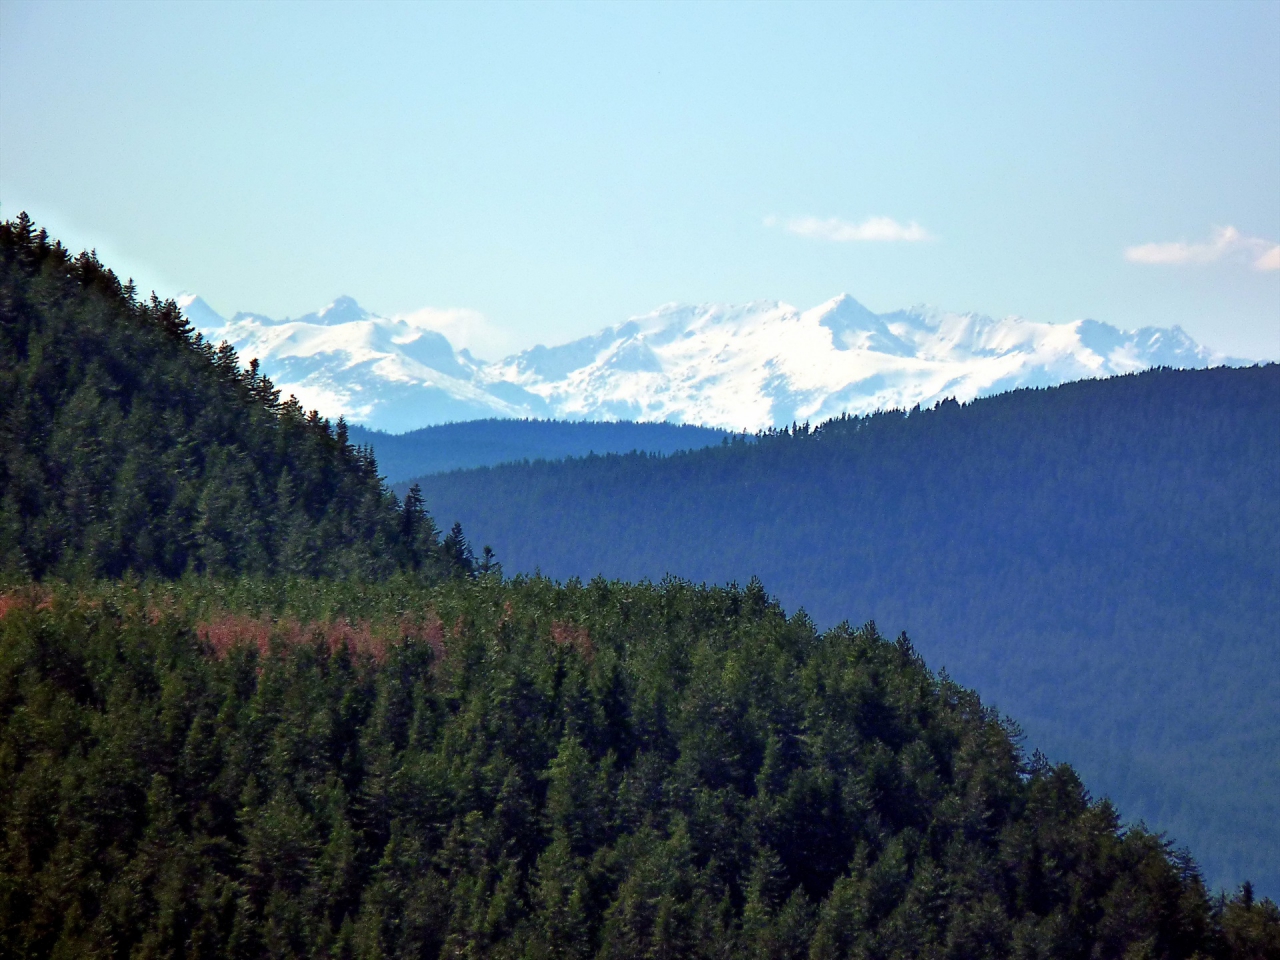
(129, 443)
(1100, 559)
(253, 705)
(523, 769)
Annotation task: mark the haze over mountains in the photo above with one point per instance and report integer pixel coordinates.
(740, 367)
(253, 704)
(1100, 559)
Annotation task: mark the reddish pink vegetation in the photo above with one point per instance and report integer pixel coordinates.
(157, 612)
(235, 630)
(160, 610)
(359, 638)
(230, 631)
(571, 635)
(33, 597)
(429, 630)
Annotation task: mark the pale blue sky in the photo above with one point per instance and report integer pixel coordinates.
(561, 167)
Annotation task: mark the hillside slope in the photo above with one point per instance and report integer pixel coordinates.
(1101, 560)
(129, 443)
(252, 706)
(520, 770)
(484, 443)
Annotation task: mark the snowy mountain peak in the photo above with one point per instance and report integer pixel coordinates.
(198, 313)
(342, 310)
(741, 366)
(854, 327)
(847, 308)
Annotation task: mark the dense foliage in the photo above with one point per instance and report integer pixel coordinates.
(480, 443)
(127, 442)
(489, 769)
(1100, 559)
(295, 721)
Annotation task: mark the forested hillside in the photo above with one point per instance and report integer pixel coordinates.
(130, 443)
(1101, 560)
(489, 769)
(253, 706)
(483, 443)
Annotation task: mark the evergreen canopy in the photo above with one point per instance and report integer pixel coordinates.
(130, 443)
(1100, 559)
(489, 769)
(288, 719)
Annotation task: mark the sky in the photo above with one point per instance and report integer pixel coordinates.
(543, 170)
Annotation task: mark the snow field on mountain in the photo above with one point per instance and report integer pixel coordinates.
(747, 366)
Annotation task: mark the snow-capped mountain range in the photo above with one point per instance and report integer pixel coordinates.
(741, 367)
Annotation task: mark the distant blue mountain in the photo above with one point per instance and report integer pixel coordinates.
(482, 443)
(1101, 560)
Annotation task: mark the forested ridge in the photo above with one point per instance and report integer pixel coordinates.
(252, 705)
(480, 443)
(128, 442)
(1100, 559)
(521, 769)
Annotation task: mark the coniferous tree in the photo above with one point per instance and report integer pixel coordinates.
(130, 443)
(1080, 553)
(457, 552)
(487, 768)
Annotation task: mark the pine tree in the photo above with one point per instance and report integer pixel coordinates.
(130, 443)
(417, 530)
(457, 552)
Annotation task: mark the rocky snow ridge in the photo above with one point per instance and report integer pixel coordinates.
(741, 367)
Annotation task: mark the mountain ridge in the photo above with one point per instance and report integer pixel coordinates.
(480, 443)
(1098, 559)
(735, 366)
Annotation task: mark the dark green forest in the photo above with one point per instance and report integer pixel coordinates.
(130, 443)
(253, 705)
(482, 443)
(522, 769)
(1101, 560)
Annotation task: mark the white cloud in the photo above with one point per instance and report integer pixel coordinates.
(882, 229)
(1225, 242)
(1269, 260)
(463, 328)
